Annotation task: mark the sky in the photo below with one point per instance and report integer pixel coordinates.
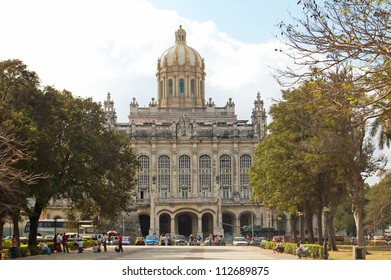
(93, 47)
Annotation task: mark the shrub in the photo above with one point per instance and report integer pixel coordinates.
(315, 251)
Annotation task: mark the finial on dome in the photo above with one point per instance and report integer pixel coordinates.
(180, 36)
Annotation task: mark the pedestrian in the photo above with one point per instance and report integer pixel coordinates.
(45, 249)
(65, 243)
(80, 246)
(166, 239)
(74, 243)
(104, 241)
(59, 242)
(120, 244)
(13, 248)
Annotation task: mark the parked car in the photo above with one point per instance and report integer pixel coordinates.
(378, 240)
(278, 238)
(339, 238)
(114, 240)
(126, 240)
(256, 241)
(207, 241)
(240, 241)
(139, 241)
(163, 237)
(151, 240)
(48, 238)
(180, 240)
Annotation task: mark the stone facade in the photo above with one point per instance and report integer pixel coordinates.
(194, 156)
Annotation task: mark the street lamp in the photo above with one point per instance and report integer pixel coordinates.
(326, 211)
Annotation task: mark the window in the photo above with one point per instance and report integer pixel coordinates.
(205, 175)
(184, 176)
(161, 90)
(143, 177)
(170, 88)
(225, 171)
(181, 87)
(192, 87)
(163, 178)
(244, 165)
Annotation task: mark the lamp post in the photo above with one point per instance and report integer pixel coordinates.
(325, 251)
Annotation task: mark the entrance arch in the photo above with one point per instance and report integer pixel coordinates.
(185, 224)
(164, 224)
(245, 220)
(228, 226)
(144, 224)
(207, 224)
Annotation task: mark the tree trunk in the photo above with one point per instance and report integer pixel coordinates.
(330, 226)
(34, 218)
(15, 221)
(293, 228)
(357, 209)
(310, 227)
(302, 235)
(320, 227)
(2, 222)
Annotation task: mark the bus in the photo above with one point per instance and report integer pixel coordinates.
(52, 226)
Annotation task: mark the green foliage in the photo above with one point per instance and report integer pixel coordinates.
(68, 141)
(378, 209)
(314, 250)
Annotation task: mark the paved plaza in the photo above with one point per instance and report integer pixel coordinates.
(228, 252)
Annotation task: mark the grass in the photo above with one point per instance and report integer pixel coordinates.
(345, 252)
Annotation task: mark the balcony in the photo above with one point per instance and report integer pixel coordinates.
(186, 200)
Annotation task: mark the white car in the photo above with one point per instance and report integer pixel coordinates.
(240, 241)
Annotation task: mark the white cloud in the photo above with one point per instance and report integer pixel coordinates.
(95, 47)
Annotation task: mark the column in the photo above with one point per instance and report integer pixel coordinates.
(173, 229)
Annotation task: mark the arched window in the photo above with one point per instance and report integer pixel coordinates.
(225, 176)
(170, 88)
(184, 176)
(143, 177)
(163, 178)
(205, 175)
(244, 165)
(192, 87)
(181, 87)
(161, 89)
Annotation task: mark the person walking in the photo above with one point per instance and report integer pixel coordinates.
(65, 243)
(13, 248)
(75, 246)
(59, 242)
(120, 244)
(104, 241)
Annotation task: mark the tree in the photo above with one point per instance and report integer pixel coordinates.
(85, 163)
(294, 169)
(12, 151)
(337, 32)
(378, 209)
(329, 151)
(353, 34)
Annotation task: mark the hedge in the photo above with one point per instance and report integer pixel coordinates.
(315, 251)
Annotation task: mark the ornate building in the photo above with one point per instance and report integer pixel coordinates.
(194, 156)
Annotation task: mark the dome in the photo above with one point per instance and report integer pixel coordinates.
(180, 76)
(181, 53)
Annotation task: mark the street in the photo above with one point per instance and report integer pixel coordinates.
(228, 252)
